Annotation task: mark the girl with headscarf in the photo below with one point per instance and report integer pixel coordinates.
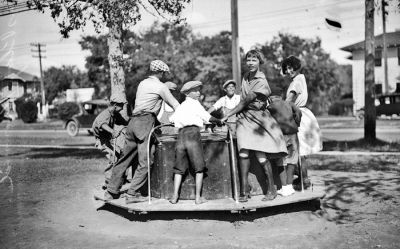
(256, 129)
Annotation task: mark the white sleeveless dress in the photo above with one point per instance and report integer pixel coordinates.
(310, 136)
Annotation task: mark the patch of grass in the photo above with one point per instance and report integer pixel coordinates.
(333, 122)
(361, 145)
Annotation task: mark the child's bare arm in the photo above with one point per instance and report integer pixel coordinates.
(169, 99)
(242, 104)
(211, 109)
(110, 130)
(291, 96)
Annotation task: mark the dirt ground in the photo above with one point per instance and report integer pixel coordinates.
(50, 205)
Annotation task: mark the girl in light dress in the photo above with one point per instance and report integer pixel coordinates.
(310, 137)
(256, 129)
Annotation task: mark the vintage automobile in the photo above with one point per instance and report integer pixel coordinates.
(84, 119)
(388, 104)
(385, 105)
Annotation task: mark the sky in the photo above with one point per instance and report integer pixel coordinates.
(259, 22)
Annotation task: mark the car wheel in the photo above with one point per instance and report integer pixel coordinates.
(72, 128)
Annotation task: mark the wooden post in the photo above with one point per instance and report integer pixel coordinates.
(235, 45)
(40, 52)
(369, 108)
(385, 66)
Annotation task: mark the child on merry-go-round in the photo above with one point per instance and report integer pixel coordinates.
(108, 129)
(189, 118)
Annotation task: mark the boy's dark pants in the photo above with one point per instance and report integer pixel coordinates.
(189, 150)
(137, 134)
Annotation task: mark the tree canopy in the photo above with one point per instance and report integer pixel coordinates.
(208, 59)
(325, 80)
(115, 15)
(73, 15)
(57, 80)
(189, 56)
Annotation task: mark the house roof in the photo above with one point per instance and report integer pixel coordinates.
(11, 73)
(392, 40)
(13, 76)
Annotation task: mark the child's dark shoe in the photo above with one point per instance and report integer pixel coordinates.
(297, 184)
(134, 198)
(269, 196)
(244, 197)
(110, 196)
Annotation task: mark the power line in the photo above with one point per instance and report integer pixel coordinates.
(298, 27)
(7, 6)
(15, 12)
(269, 14)
(9, 9)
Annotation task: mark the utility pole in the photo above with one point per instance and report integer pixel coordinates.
(38, 49)
(385, 66)
(369, 74)
(235, 44)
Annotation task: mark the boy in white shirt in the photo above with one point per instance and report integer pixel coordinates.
(227, 103)
(189, 117)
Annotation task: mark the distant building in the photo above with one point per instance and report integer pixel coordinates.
(79, 94)
(393, 59)
(14, 84)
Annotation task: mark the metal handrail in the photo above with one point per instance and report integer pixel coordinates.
(233, 166)
(301, 175)
(148, 156)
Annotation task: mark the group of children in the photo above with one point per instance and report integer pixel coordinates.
(190, 116)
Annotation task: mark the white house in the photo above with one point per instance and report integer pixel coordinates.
(393, 61)
(14, 84)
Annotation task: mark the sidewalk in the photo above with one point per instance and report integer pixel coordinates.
(18, 124)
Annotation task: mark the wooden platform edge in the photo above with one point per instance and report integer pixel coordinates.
(162, 205)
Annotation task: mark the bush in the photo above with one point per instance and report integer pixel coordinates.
(67, 110)
(26, 107)
(336, 109)
(341, 107)
(28, 111)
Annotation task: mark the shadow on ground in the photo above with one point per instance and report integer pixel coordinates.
(353, 163)
(353, 199)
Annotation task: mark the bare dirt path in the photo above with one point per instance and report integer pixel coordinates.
(51, 206)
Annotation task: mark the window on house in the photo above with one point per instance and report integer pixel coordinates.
(378, 57)
(10, 86)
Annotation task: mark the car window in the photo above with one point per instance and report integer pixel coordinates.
(99, 109)
(89, 108)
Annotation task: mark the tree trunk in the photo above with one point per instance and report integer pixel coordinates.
(369, 108)
(114, 41)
